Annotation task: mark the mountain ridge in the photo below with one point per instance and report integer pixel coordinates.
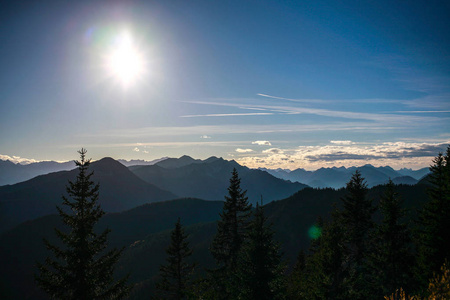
(337, 177)
(120, 189)
(209, 178)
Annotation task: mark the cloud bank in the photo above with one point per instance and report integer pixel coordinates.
(239, 150)
(347, 153)
(262, 143)
(18, 159)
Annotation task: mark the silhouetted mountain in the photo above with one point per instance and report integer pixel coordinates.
(416, 174)
(120, 189)
(173, 163)
(338, 177)
(425, 180)
(145, 232)
(405, 180)
(140, 162)
(11, 173)
(209, 179)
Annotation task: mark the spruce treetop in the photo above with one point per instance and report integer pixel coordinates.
(81, 270)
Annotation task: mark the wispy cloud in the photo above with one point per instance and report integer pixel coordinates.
(262, 143)
(293, 100)
(239, 150)
(227, 115)
(342, 142)
(422, 111)
(384, 118)
(273, 151)
(18, 159)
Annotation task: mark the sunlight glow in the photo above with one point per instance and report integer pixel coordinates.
(125, 62)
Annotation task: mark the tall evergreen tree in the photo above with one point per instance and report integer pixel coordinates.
(295, 285)
(231, 231)
(176, 275)
(325, 272)
(80, 270)
(433, 234)
(232, 226)
(260, 270)
(356, 218)
(392, 260)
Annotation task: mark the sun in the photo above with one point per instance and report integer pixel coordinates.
(124, 61)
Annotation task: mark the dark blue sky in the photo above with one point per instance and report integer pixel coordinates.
(268, 83)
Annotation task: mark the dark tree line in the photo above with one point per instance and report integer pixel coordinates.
(356, 258)
(353, 257)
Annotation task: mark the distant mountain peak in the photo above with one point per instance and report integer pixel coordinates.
(186, 157)
(107, 164)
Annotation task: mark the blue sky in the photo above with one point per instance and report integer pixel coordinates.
(291, 84)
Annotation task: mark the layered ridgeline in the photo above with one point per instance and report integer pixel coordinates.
(208, 179)
(145, 232)
(11, 173)
(120, 190)
(337, 177)
(123, 188)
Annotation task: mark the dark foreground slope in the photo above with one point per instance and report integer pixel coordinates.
(145, 233)
(209, 179)
(22, 246)
(120, 189)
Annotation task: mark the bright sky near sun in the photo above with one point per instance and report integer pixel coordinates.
(289, 84)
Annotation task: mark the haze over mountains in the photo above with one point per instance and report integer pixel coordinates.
(209, 179)
(11, 173)
(123, 188)
(120, 189)
(338, 177)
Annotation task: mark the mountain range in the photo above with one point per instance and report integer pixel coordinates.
(11, 173)
(209, 179)
(123, 188)
(120, 189)
(338, 177)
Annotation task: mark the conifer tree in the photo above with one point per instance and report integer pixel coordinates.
(231, 227)
(260, 270)
(356, 218)
(325, 272)
(433, 234)
(80, 270)
(392, 260)
(231, 231)
(176, 275)
(295, 288)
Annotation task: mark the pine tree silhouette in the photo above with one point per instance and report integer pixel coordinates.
(176, 274)
(392, 259)
(80, 270)
(231, 232)
(432, 231)
(260, 271)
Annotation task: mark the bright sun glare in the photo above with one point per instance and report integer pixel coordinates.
(125, 62)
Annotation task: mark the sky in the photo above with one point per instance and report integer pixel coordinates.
(275, 84)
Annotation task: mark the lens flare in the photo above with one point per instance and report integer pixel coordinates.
(314, 232)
